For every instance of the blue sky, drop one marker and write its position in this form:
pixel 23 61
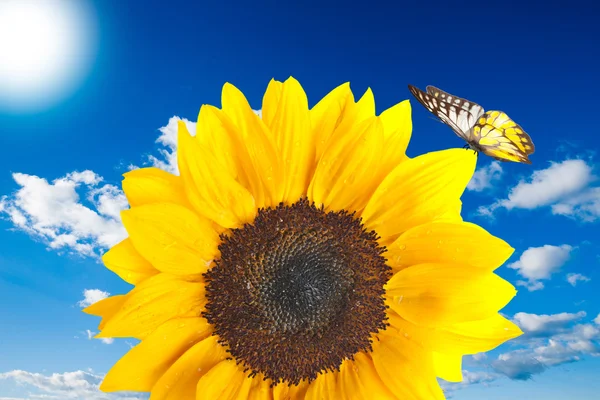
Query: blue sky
pixel 61 164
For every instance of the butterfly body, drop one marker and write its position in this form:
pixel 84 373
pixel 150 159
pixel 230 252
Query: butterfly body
pixel 492 133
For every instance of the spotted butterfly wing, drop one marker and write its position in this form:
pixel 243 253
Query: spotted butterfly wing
pixel 492 133
pixel 459 114
pixel 474 108
pixel 498 136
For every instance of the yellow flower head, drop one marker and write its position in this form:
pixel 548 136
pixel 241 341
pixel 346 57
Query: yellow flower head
pixel 301 254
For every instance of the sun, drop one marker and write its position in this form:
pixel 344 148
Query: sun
pixel 46 48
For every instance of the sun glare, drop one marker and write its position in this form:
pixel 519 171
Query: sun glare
pixel 46 49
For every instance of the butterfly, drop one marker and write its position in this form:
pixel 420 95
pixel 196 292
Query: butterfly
pixel 492 133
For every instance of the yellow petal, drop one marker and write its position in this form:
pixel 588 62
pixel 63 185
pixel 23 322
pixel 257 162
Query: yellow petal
pixel 151 303
pixel 441 294
pixel 105 308
pixel 358 379
pixel 324 387
pixel 144 364
pixel 405 368
pixel 352 114
pixel 448 366
pixel 397 129
pixel 461 338
pixel 173 238
pixel 291 130
pixel 180 380
pixel 420 190
pixel 327 114
pixel 294 392
pixel 482 335
pixel 448 242
pixel 397 121
pixel 247 173
pixel 261 389
pixel 212 134
pixel 124 260
pixel 222 382
pixel 260 158
pixel 344 176
pixel 366 106
pixel 153 185
pixel 270 103
pixel 245 387
pixel 212 190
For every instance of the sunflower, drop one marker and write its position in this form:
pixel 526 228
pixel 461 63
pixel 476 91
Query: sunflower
pixel 300 254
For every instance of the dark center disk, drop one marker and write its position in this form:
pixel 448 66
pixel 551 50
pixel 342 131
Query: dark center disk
pixel 297 291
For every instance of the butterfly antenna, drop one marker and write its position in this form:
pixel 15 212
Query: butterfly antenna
pixel 436 119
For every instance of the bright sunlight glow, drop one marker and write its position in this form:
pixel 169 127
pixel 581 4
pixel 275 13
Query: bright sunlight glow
pixel 46 49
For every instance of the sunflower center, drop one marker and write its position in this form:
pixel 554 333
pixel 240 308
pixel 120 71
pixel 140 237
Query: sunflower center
pixel 297 291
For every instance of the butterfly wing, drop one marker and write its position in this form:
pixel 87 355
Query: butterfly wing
pixel 459 115
pixel 465 120
pixel 500 137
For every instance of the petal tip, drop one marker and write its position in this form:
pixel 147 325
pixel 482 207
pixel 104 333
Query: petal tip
pixel 182 128
pixel 126 215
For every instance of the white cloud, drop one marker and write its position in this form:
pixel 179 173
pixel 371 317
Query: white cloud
pixel 549 185
pixel 77 213
pixel 77 385
pixel 91 296
pixel 550 340
pixel 580 332
pixel 90 336
pixel 518 365
pixel 472 377
pixel 537 263
pixel 584 206
pixel 168 139
pixel 55 213
pixel 565 187
pixel 545 325
pixel 597 320
pixel 574 278
pixel 532 286
pixel 485 177
pixel 469 378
